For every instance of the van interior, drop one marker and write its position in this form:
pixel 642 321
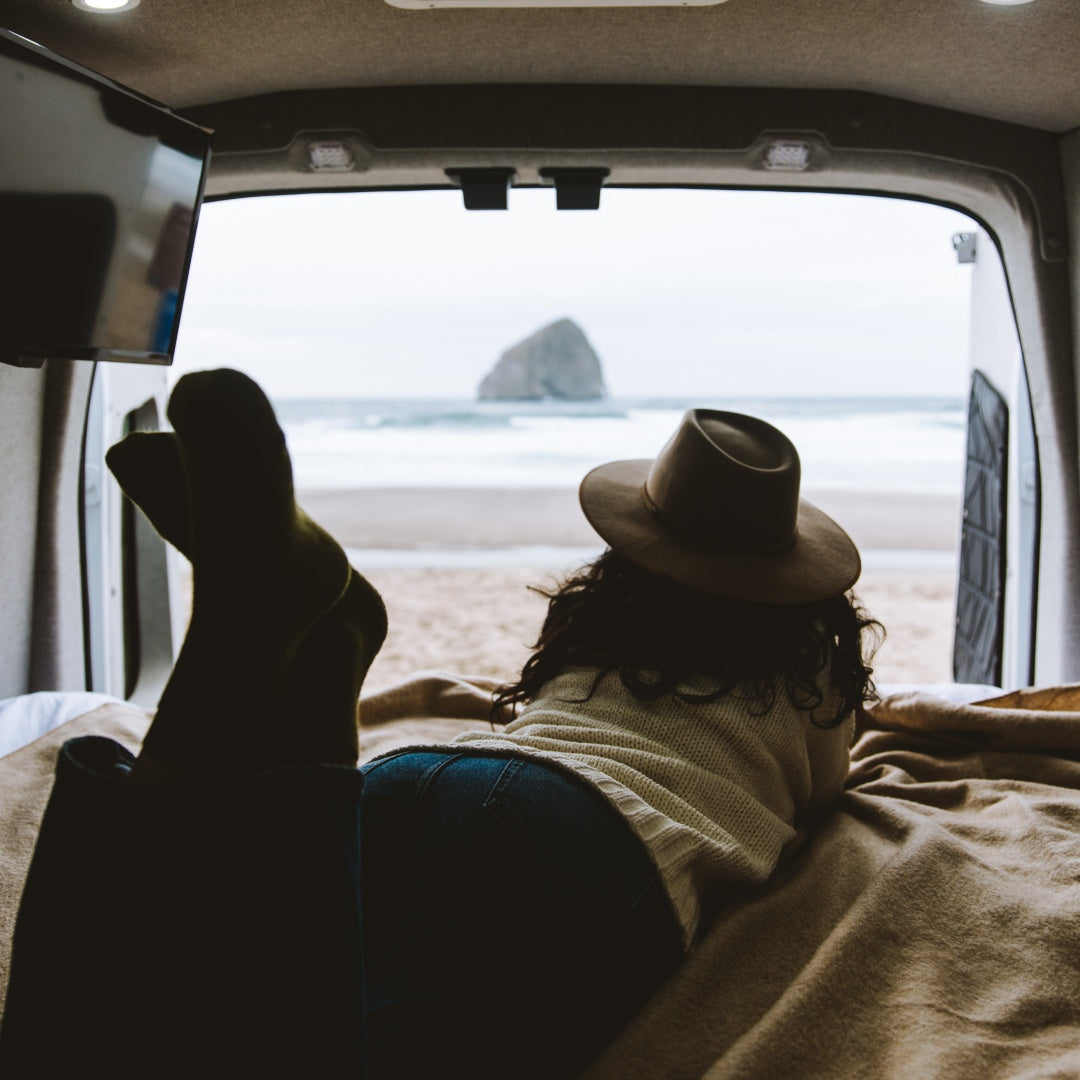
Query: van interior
pixel 124 122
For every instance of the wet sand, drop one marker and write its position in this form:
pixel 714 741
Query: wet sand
pixel 476 614
pixel 498 517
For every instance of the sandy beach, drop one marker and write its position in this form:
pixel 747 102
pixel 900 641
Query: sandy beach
pixel 455 566
pixel 500 517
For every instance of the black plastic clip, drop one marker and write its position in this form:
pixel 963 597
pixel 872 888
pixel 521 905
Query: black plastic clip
pixel 576 189
pixel 483 189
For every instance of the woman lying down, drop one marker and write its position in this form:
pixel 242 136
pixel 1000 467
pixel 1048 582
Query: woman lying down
pixel 241 900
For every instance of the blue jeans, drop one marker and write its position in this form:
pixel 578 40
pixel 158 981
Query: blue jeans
pixel 512 921
pixel 435 914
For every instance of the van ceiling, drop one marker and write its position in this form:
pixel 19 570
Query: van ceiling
pixel 1012 63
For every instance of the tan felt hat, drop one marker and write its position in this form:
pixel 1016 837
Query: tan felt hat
pixel 718 510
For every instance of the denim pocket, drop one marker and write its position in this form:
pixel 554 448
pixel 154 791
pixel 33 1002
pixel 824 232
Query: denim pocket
pixel 570 831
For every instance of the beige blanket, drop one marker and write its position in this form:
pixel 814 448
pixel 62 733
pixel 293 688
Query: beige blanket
pixel 930 927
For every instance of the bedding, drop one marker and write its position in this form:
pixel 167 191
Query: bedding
pixel 29 716
pixel 929 926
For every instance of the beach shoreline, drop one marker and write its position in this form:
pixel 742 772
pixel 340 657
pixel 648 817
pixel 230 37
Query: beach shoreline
pixel 456 566
pixel 414 517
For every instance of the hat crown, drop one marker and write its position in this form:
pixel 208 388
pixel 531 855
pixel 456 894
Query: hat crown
pixel 727 480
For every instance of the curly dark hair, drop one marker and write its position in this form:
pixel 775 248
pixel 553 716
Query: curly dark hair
pixel 657 634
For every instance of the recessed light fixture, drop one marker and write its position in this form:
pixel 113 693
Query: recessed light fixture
pixel 1006 3
pixel 330 157
pixel 787 155
pixel 105 7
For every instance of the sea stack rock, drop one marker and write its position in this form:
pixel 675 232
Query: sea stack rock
pixel 555 362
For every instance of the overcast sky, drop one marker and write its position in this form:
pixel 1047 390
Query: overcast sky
pixel 679 292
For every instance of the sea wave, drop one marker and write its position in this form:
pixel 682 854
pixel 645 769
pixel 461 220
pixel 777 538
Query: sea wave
pixel 844 444
pixel 366 414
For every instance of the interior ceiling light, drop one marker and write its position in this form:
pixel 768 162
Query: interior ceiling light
pixel 445 4
pixel 330 157
pixel 787 155
pixel 105 7
pixel 1004 3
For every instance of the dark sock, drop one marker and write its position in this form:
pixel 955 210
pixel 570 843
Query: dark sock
pixel 148 468
pixel 314 720
pixel 318 709
pixel 264 574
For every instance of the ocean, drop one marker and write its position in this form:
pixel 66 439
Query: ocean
pixel 845 444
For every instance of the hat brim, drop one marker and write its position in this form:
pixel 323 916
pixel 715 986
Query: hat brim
pixel 822 563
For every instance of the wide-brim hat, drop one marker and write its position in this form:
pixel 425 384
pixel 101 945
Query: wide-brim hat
pixel 718 510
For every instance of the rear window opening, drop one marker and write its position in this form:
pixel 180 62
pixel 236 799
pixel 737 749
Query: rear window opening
pixel 372 319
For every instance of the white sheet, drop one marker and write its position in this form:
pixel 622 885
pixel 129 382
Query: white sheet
pixel 29 716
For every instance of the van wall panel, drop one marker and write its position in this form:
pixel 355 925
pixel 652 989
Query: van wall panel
pixel 22 398
pixel 57 651
pixel 1055 397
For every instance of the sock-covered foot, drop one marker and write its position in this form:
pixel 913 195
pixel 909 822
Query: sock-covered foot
pixel 264 573
pixel 148 468
pixel 315 719
pixel 318 712
pixel 249 539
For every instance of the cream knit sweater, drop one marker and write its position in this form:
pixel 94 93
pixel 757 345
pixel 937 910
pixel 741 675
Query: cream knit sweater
pixel 713 790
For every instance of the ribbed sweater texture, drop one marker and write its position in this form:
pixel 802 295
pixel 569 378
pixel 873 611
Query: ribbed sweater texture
pixel 714 790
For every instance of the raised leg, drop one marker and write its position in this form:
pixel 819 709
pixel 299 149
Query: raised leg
pixel 314 720
pixel 259 648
